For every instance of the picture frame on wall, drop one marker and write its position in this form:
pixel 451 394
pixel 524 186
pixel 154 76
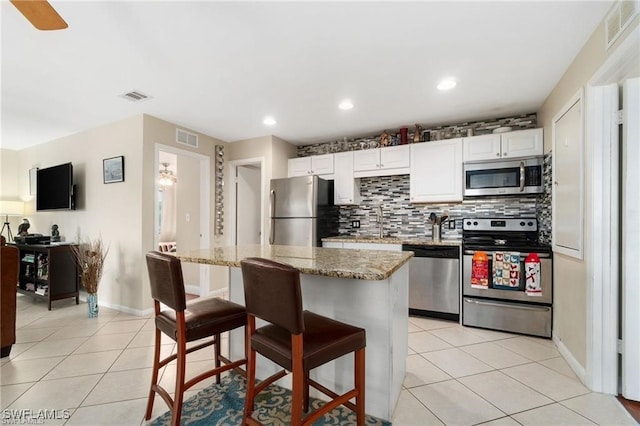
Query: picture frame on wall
pixel 113 169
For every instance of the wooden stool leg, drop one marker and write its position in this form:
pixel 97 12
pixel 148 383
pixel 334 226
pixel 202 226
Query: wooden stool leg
pixel 305 396
pixel 298 385
pixel 154 375
pixel 217 355
pixel 360 385
pixel 251 370
pixel 179 389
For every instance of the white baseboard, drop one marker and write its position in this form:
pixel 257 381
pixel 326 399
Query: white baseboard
pixel 572 361
pixel 192 289
pixel 219 292
pixel 120 308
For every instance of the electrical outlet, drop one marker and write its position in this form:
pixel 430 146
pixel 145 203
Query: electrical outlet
pixel 452 224
pixel 355 224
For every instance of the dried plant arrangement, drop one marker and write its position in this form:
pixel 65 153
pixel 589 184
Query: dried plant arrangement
pixel 90 255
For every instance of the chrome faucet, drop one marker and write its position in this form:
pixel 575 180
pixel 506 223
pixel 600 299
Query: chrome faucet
pixel 379 219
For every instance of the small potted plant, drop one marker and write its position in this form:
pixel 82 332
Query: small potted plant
pixel 90 256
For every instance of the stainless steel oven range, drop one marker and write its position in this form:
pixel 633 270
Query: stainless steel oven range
pixel 506 307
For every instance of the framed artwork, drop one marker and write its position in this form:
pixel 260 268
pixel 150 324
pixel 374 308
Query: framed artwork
pixel 113 169
pixel 33 181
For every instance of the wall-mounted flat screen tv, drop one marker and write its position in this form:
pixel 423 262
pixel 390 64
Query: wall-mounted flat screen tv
pixel 55 188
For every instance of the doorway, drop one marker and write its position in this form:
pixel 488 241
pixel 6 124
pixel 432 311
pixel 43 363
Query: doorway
pixel 612 309
pixel 182 213
pixel 246 197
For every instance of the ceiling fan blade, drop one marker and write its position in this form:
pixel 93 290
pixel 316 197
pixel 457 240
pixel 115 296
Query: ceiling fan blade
pixel 41 14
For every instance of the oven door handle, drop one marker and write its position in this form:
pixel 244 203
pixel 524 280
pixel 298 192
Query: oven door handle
pixel 522 176
pixel 490 254
pixel 509 305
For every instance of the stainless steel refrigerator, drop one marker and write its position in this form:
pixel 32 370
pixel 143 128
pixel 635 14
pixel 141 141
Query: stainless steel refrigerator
pixel 302 211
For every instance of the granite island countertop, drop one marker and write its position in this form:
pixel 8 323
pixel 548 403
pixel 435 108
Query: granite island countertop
pixel 330 262
pixel 391 240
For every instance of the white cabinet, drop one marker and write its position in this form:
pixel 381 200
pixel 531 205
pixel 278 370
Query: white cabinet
pixel 393 160
pixel 362 246
pixel 436 171
pixel 332 244
pixel 313 165
pixel 521 143
pixel 346 189
pixel 373 246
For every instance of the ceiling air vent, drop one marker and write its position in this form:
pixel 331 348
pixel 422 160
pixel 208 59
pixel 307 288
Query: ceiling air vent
pixel 619 18
pixel 186 138
pixel 135 96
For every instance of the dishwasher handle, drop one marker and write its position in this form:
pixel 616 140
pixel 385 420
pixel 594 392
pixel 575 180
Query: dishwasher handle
pixel 437 252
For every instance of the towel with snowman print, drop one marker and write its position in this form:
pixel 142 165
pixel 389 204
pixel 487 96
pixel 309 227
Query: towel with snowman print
pixel 506 270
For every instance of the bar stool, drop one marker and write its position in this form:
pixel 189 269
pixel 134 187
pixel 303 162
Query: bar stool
pixel 186 322
pixel 296 340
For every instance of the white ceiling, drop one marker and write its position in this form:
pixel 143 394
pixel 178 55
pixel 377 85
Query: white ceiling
pixel 220 67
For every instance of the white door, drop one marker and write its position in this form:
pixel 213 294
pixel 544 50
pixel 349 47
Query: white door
pixel 248 205
pixel 631 240
pixel 568 187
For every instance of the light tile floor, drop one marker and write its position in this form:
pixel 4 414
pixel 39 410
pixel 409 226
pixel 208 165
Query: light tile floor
pixel 99 370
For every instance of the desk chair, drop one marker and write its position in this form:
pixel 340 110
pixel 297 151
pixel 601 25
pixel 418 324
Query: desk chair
pixel 296 340
pixel 186 322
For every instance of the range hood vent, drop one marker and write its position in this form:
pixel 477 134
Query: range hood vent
pixel 619 19
pixel 186 138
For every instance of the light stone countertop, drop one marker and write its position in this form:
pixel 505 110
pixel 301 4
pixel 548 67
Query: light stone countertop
pixel 330 262
pixel 391 240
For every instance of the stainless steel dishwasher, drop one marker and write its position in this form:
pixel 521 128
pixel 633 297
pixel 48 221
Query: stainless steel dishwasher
pixel 434 281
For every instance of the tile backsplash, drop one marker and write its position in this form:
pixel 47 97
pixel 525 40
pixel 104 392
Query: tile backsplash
pixel 403 219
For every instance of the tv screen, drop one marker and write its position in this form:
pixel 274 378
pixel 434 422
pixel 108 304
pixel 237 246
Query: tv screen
pixel 55 188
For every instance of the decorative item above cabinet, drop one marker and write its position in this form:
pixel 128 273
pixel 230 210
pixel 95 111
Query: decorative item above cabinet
pixel 521 143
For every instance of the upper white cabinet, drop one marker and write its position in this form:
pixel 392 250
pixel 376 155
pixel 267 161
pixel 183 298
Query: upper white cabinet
pixel 393 160
pixel 313 165
pixel 436 171
pixel 521 143
pixel 345 186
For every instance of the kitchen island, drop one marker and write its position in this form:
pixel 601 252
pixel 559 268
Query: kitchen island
pixel 366 288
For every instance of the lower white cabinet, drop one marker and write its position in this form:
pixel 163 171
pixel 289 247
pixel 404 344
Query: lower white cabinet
pixel 373 246
pixel 362 246
pixel 346 189
pixel 436 171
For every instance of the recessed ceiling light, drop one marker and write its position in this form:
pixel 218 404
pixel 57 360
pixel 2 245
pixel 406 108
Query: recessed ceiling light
pixel 346 104
pixel 447 84
pixel 269 121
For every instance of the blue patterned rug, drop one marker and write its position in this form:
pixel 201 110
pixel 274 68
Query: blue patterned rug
pixel 223 404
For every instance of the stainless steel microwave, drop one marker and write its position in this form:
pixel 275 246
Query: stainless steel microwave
pixel 508 177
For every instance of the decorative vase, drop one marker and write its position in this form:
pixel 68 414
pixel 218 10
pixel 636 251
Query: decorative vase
pixel 92 303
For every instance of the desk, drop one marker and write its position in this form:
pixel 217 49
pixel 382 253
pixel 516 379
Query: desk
pixel 366 288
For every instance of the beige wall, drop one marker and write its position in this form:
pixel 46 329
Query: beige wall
pixel 571 275
pixel 108 210
pixel 275 152
pixel 157 131
pixel 122 213
pixel 9 184
pixel 188 203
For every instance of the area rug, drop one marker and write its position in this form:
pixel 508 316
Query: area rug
pixel 222 405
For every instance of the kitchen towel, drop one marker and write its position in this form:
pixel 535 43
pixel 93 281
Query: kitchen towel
pixel 506 270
